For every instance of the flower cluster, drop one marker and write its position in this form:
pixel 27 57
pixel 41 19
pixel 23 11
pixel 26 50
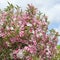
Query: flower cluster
pixel 24 35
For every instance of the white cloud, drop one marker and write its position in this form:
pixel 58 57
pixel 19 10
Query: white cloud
pixel 38 3
pixel 54 13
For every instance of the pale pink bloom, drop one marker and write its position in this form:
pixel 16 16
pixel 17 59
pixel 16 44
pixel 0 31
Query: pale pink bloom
pixel 7 28
pixel 29 24
pixel 2 34
pixel 22 27
pixel 26 48
pixel 7 43
pixel 28 58
pixel 20 22
pixel 26 17
pixel 34 42
pixel 1 23
pixel 4 14
pixel 21 33
pixel 14 17
pixel 15 51
pixel 13 40
pixel 31 49
pixel 44 23
pixel 22 41
pixel 20 54
pixel 32 31
pixel 39 35
pixel 11 28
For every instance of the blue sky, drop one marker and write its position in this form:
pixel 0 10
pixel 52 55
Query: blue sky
pixel 50 7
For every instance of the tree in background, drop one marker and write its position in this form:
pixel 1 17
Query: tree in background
pixel 24 35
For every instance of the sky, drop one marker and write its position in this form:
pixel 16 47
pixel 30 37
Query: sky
pixel 50 7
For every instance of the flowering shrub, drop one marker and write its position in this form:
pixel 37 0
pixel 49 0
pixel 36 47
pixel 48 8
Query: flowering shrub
pixel 24 35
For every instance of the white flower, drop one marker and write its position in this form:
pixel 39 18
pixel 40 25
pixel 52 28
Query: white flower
pixel 11 55
pixel 48 50
pixel 29 24
pixel 47 53
pixel 17 25
pixel 8 44
pixel 1 23
pixel 33 31
pixel 20 54
pixel 40 34
pixel 47 47
pixel 11 28
pixel 7 27
pixel 14 19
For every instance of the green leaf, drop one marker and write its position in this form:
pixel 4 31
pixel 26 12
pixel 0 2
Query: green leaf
pixel 35 58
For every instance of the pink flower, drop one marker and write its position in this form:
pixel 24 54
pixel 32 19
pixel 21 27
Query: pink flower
pixel 20 54
pixel 26 31
pixel 26 17
pixel 13 40
pixel 2 34
pixel 32 49
pixel 44 23
pixel 4 14
pixel 34 42
pixel 28 58
pixel 21 34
